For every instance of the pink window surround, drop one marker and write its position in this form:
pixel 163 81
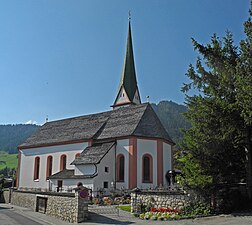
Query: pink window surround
pixel 132 162
pixel 160 172
pixel 120 168
pixel 49 166
pixel 36 168
pixel 147 168
pixel 63 159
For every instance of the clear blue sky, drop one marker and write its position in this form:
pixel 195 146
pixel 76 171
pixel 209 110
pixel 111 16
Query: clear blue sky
pixel 63 58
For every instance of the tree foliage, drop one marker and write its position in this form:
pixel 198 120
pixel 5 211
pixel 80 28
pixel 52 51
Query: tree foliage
pixel 221 111
pixel 192 171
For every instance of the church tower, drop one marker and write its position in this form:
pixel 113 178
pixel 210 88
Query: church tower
pixel 128 92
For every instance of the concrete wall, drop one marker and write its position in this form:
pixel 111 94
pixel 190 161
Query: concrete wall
pixel 27 161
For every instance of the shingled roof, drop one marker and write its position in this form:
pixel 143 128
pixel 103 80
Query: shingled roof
pixel 69 174
pixel 133 120
pixel 93 154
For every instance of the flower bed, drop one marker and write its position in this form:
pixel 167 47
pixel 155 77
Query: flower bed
pixel 161 214
pixel 198 210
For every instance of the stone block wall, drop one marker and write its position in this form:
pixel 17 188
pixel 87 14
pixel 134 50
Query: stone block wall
pixel 62 207
pixel 25 200
pixel 159 199
pixel 5 196
pixel 65 206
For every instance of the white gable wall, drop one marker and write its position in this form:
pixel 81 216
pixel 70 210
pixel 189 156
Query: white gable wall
pixel 107 161
pixel 27 160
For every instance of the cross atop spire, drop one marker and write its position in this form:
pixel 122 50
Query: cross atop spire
pixel 128 92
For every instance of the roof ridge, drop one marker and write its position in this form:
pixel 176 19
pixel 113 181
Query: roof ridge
pixel 97 134
pixel 141 117
pixel 164 133
pixel 82 116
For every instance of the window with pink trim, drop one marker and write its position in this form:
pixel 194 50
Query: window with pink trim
pixel 120 168
pixel 49 166
pixel 63 160
pixel 36 168
pixel 147 168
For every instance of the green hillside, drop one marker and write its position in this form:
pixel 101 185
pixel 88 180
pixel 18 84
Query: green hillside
pixel 8 160
pixel 171 116
pixel 13 135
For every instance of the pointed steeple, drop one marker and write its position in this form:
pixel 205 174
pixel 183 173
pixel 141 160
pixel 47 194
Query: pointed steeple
pixel 128 92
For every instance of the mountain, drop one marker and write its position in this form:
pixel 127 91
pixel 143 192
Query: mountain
pixel 13 135
pixel 171 116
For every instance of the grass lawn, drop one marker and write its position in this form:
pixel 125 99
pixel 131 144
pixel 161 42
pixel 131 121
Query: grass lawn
pixel 8 160
pixel 125 207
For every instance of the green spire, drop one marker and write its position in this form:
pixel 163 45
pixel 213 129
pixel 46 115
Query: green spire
pixel 128 78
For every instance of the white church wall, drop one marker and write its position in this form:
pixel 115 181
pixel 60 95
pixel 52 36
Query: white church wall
pixel 27 161
pixel 108 161
pixel 122 147
pixel 167 163
pixel 89 169
pixel 145 146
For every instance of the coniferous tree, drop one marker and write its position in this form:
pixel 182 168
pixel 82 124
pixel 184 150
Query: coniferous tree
pixel 220 113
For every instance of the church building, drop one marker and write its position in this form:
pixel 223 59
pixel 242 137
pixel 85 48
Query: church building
pixel 123 148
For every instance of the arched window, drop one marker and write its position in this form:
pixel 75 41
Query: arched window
pixel 77 155
pixel 120 168
pixel 147 163
pixel 63 160
pixel 49 166
pixel 36 168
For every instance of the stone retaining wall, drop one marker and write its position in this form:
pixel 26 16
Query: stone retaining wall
pixel 5 196
pixel 159 199
pixel 65 206
pixel 26 200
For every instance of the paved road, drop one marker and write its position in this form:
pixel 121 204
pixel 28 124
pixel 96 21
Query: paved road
pixel 127 219
pixel 8 216
pixel 14 215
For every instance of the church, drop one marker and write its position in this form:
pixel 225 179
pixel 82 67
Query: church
pixel 124 148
